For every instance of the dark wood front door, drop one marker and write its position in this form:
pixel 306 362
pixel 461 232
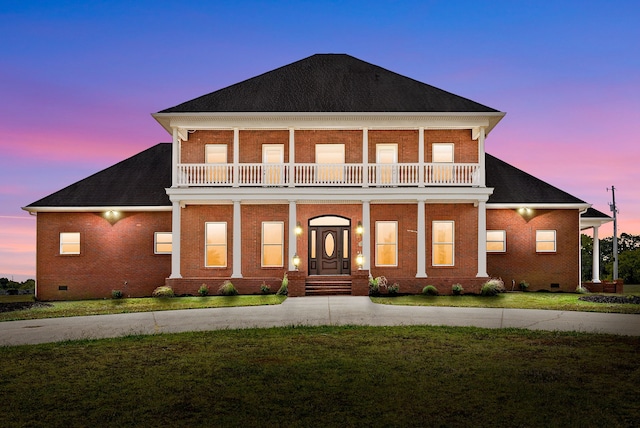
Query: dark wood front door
pixel 329 250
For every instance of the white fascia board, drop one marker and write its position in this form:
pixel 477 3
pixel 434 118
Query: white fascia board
pixel 539 206
pixel 96 209
pixel 587 223
pixel 340 195
pixel 307 120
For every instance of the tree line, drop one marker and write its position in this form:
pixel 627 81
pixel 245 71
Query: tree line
pixel 6 284
pixel 628 258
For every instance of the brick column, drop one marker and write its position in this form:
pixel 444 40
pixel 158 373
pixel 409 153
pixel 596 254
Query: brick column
pixel 296 283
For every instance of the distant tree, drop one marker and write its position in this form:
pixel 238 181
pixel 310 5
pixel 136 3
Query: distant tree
pixel 629 266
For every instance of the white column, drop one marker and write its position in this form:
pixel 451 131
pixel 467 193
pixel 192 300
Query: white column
pixel 482 239
pixel 421 157
pixel 292 158
pixel 365 158
pixel 236 156
pixel 481 160
pixel 293 244
pixel 236 272
pixel 366 235
pixel 175 240
pixel 174 158
pixel 421 242
pixel 596 255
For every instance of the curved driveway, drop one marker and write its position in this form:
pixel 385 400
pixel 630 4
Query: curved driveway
pixel 321 310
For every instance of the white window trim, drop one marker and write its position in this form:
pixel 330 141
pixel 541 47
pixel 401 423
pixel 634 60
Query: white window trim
pixel 377 263
pixel 226 244
pixel 263 244
pixel 156 242
pixel 63 242
pixel 555 241
pixel 503 240
pixel 222 148
pixel 452 243
pixel 453 152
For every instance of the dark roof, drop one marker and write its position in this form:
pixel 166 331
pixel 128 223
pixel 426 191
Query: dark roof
pixel 513 186
pixel 330 83
pixel 138 181
pixel 594 213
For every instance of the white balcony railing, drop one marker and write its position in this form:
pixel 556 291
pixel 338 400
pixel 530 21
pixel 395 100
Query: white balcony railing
pixel 312 174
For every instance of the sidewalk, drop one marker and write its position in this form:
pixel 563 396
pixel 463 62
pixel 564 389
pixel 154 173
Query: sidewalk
pixel 321 310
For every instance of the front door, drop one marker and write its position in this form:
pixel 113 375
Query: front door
pixel 329 250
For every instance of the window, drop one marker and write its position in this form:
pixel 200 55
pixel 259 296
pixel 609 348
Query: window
pixel 386 157
pixel 272 243
pixel 496 241
pixel 442 243
pixel 332 154
pixel 386 243
pixel 273 158
pixel 216 154
pixel 216 244
pixel 545 241
pixel 442 153
pixel 162 242
pixel 70 243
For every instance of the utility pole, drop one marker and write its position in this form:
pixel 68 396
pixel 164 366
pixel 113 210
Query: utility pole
pixel 614 209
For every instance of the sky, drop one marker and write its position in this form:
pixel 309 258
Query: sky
pixel 79 81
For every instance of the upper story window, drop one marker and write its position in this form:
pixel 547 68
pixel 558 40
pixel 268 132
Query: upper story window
pixel 215 153
pixel 545 241
pixel 273 160
pixel 332 154
pixel 442 152
pixel 443 243
pixel 496 241
pixel 163 242
pixel 215 244
pixel 386 157
pixel 70 243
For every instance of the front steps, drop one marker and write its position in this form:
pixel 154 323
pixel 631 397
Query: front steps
pixel 328 285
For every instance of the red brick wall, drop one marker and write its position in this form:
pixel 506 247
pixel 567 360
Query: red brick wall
pixel 110 255
pixel 251 144
pixel 465 149
pixel 406 216
pixel 192 151
pixel 522 262
pixel 306 141
pixel 407 144
pixel 252 218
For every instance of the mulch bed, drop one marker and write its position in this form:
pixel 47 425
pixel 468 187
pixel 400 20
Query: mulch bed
pixel 18 306
pixel 597 298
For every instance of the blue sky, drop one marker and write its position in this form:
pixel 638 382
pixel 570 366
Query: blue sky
pixel 79 80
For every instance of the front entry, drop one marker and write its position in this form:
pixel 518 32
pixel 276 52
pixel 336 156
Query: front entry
pixel 329 246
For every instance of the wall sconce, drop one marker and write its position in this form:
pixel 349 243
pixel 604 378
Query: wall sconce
pixel 360 260
pixel 359 228
pixel 298 228
pixel 296 260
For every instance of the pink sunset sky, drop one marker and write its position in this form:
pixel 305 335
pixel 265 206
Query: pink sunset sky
pixel 79 80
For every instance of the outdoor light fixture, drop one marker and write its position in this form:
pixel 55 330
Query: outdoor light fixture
pixel 296 260
pixel 360 260
pixel 298 228
pixel 359 228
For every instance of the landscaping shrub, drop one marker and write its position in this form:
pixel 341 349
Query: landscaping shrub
pixel 493 287
pixel 116 294
pixel 393 289
pixel 374 288
pixel 163 291
pixel 284 288
pixel 457 289
pixel 227 289
pixel 523 285
pixel 203 290
pixel 264 288
pixel 430 290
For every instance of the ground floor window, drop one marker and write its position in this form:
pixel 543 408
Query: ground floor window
pixel 496 241
pixel 216 244
pixel 443 243
pixel 545 241
pixel 272 244
pixel 70 243
pixel 386 243
pixel 163 242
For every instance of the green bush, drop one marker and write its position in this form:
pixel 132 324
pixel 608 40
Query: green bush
pixel 374 288
pixel 265 288
pixel 393 289
pixel 524 285
pixel 116 294
pixel 284 287
pixel 163 291
pixel 457 289
pixel 227 289
pixel 493 287
pixel 203 290
pixel 430 290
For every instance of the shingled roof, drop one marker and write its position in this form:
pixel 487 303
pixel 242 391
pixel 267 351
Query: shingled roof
pixel 512 185
pixel 330 83
pixel 140 180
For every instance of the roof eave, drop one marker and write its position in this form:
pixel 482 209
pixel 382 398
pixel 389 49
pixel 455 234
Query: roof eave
pixel 92 209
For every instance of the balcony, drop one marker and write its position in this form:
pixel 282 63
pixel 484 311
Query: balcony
pixel 328 175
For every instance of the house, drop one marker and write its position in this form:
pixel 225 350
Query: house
pixel 329 170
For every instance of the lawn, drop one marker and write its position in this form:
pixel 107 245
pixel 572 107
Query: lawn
pixel 117 306
pixel 326 376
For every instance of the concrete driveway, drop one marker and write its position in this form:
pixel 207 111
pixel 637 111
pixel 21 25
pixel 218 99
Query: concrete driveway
pixel 312 311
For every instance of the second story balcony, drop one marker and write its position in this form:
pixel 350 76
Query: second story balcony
pixel 327 175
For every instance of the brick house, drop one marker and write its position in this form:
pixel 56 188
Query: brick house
pixel 329 169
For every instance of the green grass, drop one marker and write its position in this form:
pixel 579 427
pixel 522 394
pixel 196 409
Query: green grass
pixel 533 300
pixel 117 306
pixel 326 376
